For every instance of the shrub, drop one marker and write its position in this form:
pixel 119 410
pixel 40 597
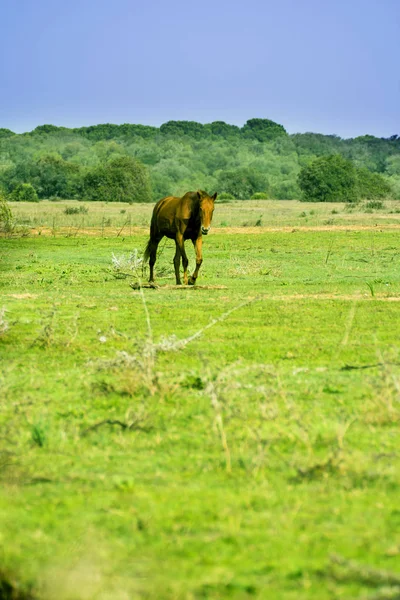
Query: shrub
pixel 24 192
pixel 75 210
pixel 329 179
pixel 372 185
pixel 375 204
pixel 260 196
pixel 6 219
pixel 225 196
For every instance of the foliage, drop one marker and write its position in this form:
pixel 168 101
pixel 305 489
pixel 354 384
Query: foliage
pixel 372 185
pixel 242 182
pixel 263 130
pixel 6 218
pixel 123 179
pixel 76 210
pixel 24 192
pixel 329 179
pixel 184 155
pixel 259 196
pixel 6 133
pixel 225 196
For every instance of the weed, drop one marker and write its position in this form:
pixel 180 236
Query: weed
pixel 75 210
pixel 374 204
pixel 39 434
pixel 3 322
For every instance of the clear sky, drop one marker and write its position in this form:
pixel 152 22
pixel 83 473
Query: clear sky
pixel 328 66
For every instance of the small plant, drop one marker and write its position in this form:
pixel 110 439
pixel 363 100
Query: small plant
pixel 259 222
pixel 39 434
pixel 374 204
pixel 122 211
pixel 74 210
pixel 303 214
pixel 6 219
pixel 334 212
pixel 371 288
pixel 3 322
pixel 260 196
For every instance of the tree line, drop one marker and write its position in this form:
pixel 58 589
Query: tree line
pixel 139 163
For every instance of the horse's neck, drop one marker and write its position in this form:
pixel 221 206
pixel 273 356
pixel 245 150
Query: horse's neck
pixel 195 208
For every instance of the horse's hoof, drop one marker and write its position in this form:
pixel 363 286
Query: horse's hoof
pixel 192 281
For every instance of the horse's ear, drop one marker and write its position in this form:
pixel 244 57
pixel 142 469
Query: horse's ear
pixel 215 196
pixel 199 194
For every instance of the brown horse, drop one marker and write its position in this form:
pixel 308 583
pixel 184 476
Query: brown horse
pixel 180 219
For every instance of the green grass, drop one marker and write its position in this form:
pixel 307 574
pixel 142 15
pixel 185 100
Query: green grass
pixel 113 216
pixel 249 456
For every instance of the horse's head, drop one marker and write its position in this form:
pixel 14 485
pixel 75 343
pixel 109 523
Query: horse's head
pixel 206 210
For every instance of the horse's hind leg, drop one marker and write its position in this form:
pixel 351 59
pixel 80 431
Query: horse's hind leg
pixel 153 258
pixel 177 262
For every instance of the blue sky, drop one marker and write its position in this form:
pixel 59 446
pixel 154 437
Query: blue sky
pixel 328 66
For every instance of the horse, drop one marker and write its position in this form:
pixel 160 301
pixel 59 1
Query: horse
pixel 180 219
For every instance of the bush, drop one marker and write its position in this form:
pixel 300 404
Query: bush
pixel 329 179
pixel 372 185
pixel 260 196
pixel 123 179
pixel 6 218
pixel 24 192
pixel 225 196
pixel 374 204
pixel 75 210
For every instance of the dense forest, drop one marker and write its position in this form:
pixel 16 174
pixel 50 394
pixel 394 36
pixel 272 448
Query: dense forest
pixel 138 163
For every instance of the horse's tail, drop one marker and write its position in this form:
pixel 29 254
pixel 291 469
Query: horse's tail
pixel 150 243
pixel 146 254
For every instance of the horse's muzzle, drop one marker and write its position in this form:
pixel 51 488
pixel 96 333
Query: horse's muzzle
pixel 205 230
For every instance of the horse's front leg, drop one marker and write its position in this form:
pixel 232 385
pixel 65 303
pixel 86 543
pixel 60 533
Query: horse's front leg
pixel 198 246
pixel 180 243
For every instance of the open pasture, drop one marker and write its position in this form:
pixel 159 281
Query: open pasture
pixel 201 443
pixel 122 219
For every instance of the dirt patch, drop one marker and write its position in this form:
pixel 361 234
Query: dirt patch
pixel 166 286
pixel 89 231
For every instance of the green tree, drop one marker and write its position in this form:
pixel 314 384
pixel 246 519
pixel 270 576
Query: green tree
pixel 222 129
pixel 24 192
pixel 242 182
pixel 123 179
pixel 6 219
pixel 263 130
pixel 56 177
pixel 329 179
pixel 372 185
pixel 6 133
pixel 180 128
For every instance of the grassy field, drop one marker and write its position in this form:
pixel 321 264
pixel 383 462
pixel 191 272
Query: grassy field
pixel 237 441
pixel 121 218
